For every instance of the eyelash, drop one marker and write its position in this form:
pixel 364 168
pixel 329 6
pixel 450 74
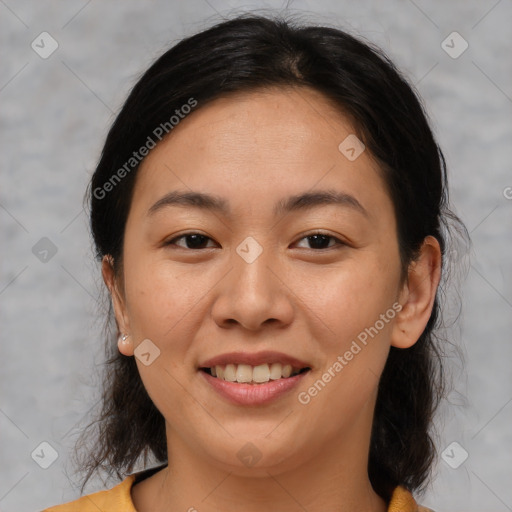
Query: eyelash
pixel 339 242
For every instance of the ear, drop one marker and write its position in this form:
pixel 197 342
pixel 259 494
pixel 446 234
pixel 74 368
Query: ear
pixel 417 295
pixel 122 320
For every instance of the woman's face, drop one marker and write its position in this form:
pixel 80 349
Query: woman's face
pixel 251 288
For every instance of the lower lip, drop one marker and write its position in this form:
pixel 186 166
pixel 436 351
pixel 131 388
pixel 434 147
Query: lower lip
pixel 253 394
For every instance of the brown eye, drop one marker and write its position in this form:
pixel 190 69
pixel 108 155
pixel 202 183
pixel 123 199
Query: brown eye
pixel 192 241
pixel 321 241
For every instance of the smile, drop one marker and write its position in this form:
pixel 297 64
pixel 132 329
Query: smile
pixel 253 378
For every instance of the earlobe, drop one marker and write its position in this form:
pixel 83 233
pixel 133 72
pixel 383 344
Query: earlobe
pixel 123 324
pixel 417 295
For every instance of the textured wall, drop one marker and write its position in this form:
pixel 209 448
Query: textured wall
pixel 55 115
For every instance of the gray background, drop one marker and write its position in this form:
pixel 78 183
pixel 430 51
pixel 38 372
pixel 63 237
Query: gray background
pixel 55 115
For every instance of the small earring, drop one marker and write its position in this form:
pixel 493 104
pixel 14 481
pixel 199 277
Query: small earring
pixel 121 340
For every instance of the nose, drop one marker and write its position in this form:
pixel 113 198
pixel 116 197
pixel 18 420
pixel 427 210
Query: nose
pixel 254 294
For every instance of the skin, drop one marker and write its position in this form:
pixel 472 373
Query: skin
pixel 254 149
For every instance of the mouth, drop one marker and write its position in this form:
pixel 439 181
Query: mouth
pixel 253 379
pixel 257 375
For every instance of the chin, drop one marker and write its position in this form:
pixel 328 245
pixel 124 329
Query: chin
pixel 259 457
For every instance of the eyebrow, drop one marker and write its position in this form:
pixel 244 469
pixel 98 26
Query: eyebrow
pixel 292 203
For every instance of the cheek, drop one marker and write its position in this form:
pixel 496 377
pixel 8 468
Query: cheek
pixel 356 303
pixel 159 296
pixel 349 298
pixel 161 304
pixel 354 351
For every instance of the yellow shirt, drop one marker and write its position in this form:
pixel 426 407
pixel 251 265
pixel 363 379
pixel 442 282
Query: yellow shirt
pixel 118 499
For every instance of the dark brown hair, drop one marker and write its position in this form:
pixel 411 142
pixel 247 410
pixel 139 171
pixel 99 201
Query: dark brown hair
pixel 247 53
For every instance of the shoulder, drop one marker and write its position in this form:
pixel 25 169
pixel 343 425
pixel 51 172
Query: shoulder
pixel 403 501
pixel 116 499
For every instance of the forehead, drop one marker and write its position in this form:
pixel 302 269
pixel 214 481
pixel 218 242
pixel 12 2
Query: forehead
pixel 283 119
pixel 257 145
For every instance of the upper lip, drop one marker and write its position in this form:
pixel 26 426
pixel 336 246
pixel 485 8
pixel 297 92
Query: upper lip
pixel 253 359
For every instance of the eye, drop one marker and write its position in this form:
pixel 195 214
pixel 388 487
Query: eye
pixel 197 241
pixel 193 240
pixel 318 240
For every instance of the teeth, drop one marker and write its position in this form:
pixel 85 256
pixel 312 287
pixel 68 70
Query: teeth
pixel 230 373
pixel 261 373
pixel 245 373
pixel 275 371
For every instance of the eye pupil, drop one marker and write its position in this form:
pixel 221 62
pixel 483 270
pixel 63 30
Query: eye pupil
pixel 317 241
pixel 198 241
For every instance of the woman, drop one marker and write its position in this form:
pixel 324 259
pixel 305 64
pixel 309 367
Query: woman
pixel 270 210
